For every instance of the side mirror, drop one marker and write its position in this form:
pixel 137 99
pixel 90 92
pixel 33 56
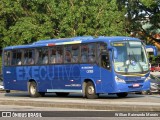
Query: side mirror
pixel 150 48
pixel 114 50
pixel 115 53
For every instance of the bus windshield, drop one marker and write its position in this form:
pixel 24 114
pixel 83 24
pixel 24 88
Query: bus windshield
pixel 131 57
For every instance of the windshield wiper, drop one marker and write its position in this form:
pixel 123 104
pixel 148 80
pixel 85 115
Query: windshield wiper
pixel 137 62
pixel 129 57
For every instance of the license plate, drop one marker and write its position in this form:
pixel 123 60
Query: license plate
pixel 136 85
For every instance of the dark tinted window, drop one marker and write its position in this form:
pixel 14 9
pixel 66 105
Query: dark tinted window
pixel 84 53
pixel 68 54
pixel 52 55
pixel 88 53
pixel 29 57
pixel 92 53
pixel 16 57
pixel 75 53
pixel 7 58
pixel 42 56
pixel 59 54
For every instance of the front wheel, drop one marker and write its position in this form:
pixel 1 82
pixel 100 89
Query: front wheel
pixel 90 91
pixel 122 95
pixel 146 92
pixel 33 92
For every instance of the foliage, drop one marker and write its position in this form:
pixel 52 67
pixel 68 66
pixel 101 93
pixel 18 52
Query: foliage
pixel 154 60
pixel 26 21
pixel 140 13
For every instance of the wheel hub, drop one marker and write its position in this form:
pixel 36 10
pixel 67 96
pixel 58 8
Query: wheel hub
pixel 33 89
pixel 90 90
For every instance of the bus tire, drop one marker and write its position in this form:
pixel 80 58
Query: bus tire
pixel 122 95
pixel 62 94
pixel 90 91
pixel 8 91
pixel 33 90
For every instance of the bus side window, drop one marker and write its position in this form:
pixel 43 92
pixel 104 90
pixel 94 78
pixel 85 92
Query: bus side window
pixel 52 56
pixel 39 54
pixel 45 56
pixel 14 55
pixel 75 53
pixel 84 53
pixel 31 57
pixel 25 57
pixel 36 56
pixel 92 54
pixel 7 58
pixel 28 57
pixel 19 57
pixel 68 54
pixel 59 54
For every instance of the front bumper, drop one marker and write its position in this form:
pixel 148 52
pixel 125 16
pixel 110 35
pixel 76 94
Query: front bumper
pixel 134 87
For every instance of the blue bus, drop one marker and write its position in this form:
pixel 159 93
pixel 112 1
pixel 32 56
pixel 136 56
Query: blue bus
pixel 87 65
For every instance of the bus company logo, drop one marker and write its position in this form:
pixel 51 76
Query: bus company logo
pixel 6 114
pixel 48 72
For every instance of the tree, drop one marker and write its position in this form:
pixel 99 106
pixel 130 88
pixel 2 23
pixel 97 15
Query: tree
pixel 140 13
pixel 91 18
pixel 22 22
pixel 26 21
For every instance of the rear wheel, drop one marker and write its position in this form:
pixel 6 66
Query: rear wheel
pixel 122 95
pixel 62 94
pixel 33 92
pixel 90 91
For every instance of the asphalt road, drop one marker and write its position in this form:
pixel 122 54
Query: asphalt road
pixel 78 107
pixel 132 102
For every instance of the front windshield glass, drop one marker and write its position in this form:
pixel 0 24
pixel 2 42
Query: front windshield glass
pixel 131 57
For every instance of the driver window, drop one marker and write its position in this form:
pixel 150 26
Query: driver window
pixel 103 55
pixel 105 63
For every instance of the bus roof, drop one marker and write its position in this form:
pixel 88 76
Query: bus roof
pixel 74 40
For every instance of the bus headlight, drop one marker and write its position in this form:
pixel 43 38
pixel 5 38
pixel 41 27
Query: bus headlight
pixel 117 79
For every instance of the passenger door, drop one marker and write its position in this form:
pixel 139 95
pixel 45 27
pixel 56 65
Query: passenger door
pixel 105 68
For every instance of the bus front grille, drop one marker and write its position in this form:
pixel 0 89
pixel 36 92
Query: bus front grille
pixel 134 81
